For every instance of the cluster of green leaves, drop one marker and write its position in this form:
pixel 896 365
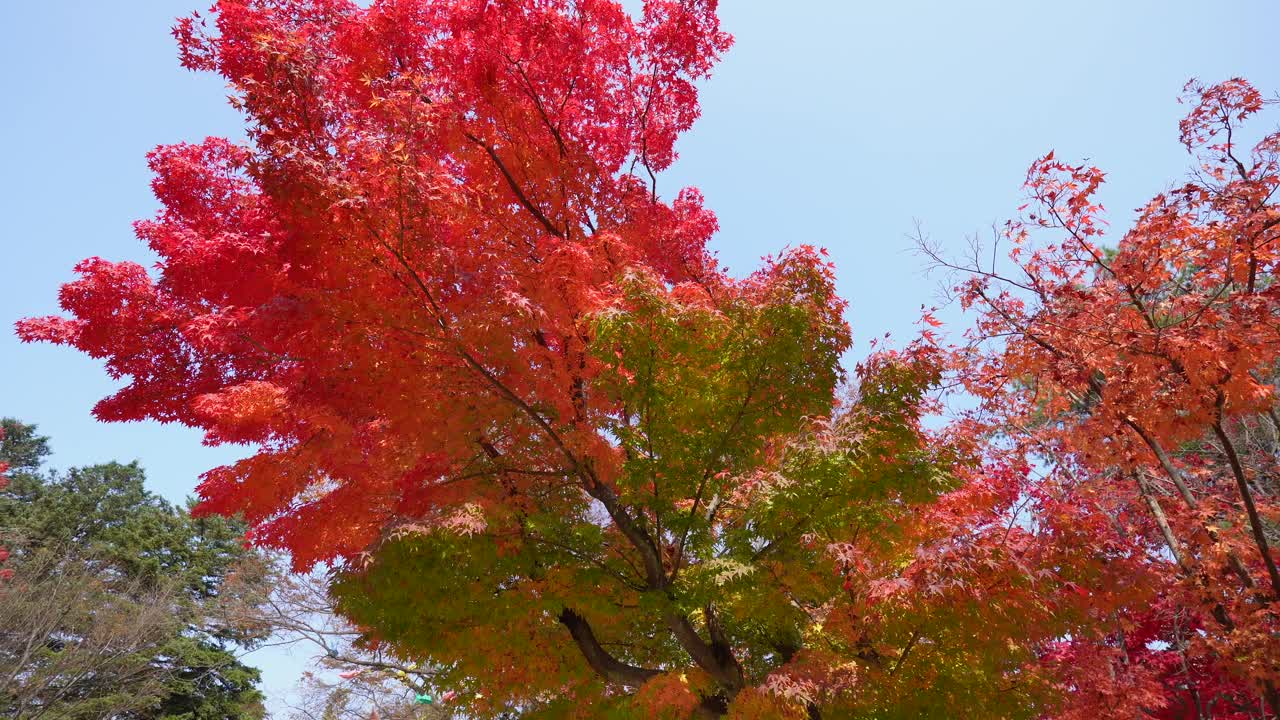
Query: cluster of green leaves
pixel 108 613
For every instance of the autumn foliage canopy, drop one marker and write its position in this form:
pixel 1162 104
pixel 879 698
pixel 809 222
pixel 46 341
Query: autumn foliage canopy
pixel 496 380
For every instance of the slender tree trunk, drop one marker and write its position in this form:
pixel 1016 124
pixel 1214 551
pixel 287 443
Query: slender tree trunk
pixel 1176 478
pixel 1255 521
pixel 1161 521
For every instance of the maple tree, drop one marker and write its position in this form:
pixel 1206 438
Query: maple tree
pixel 554 452
pixel 1143 377
pixel 494 378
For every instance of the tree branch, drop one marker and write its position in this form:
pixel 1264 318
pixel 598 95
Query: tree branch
pixel 515 187
pixel 608 667
pixel 728 674
pixel 1255 521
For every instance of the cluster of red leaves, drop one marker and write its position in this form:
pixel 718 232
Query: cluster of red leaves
pixel 395 291
pixel 1146 665
pixel 1143 377
pixel 437 198
pixel 674 695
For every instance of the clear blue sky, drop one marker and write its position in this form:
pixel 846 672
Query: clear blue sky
pixel 834 123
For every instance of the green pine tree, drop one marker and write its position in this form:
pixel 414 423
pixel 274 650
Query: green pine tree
pixel 109 612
